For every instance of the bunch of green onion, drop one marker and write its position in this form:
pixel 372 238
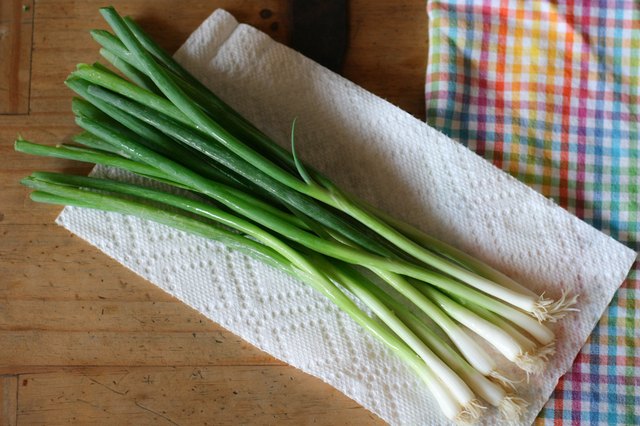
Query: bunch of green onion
pixel 236 186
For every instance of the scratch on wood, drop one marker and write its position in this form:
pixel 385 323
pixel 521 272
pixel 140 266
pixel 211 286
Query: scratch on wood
pixel 88 403
pixel 197 374
pixel 156 413
pixel 107 387
pixel 122 377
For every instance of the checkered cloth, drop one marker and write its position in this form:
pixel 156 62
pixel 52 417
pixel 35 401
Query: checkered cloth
pixel 549 92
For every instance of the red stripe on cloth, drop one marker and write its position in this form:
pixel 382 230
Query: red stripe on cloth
pixel 559 402
pixel 482 79
pixel 500 71
pixel 583 112
pixel 566 107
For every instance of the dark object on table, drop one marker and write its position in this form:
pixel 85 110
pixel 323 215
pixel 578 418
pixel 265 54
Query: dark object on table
pixel 320 31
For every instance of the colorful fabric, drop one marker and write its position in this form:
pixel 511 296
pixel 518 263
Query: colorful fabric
pixel 550 92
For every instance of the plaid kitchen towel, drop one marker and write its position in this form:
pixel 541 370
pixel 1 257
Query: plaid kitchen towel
pixel 549 92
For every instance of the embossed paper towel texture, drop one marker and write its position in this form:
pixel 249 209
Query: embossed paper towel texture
pixel 394 161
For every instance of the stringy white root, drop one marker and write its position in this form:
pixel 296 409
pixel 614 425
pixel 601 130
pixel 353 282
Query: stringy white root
pixel 531 363
pixel 470 413
pixel 546 351
pixel 506 382
pixel 512 408
pixel 552 311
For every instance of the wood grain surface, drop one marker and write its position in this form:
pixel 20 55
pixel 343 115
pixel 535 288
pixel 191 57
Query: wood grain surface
pixel 82 339
pixel 16 30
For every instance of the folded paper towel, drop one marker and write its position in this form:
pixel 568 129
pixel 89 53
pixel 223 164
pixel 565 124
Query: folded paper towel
pixel 392 160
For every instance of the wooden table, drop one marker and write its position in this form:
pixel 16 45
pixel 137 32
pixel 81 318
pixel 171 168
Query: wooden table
pixel 84 340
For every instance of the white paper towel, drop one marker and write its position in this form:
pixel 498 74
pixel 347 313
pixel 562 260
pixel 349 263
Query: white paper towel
pixel 396 162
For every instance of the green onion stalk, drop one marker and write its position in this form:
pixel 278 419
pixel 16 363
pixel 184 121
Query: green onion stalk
pixel 227 181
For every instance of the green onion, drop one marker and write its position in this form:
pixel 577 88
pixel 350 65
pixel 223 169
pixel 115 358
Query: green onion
pixel 80 191
pixel 226 180
pixel 509 405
